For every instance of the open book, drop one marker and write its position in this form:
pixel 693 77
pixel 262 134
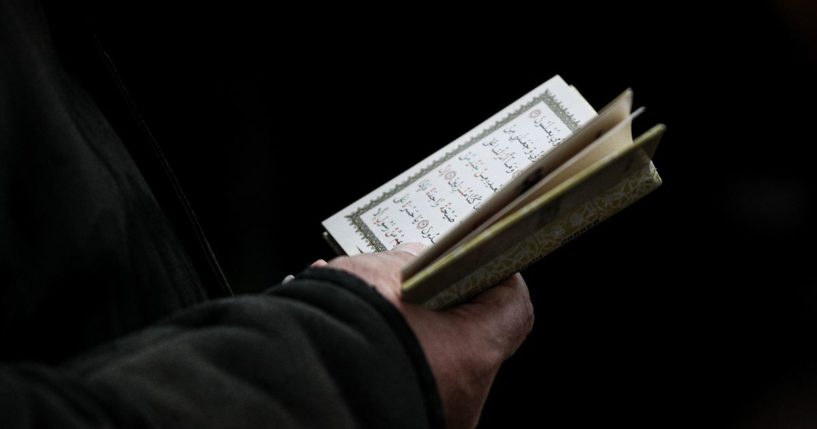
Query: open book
pixel 511 190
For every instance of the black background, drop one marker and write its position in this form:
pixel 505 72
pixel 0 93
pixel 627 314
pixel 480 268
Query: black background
pixel 695 307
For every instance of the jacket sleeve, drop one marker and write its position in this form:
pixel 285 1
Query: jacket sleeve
pixel 324 350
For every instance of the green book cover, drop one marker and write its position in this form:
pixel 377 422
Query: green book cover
pixel 539 228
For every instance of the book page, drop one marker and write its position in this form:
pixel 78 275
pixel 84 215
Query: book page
pixel 571 151
pixel 615 140
pixel 431 198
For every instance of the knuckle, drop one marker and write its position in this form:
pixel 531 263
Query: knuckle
pixel 529 315
pixel 412 248
pixel 524 303
pixel 340 260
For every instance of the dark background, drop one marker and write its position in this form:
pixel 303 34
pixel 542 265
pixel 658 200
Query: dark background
pixel 695 307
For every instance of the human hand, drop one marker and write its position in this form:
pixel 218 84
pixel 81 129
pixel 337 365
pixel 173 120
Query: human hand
pixel 464 345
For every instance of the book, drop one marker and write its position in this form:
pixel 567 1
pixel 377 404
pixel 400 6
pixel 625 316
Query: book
pixel 521 184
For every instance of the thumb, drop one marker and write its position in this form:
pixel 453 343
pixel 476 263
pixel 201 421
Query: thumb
pixel 407 251
pixel 414 249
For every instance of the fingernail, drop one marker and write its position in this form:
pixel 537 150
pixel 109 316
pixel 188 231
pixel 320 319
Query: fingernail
pixel 288 278
pixel 410 248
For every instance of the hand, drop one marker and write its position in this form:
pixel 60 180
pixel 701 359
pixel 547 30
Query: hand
pixel 464 345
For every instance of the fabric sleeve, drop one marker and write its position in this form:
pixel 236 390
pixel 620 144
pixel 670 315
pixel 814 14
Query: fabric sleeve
pixel 324 350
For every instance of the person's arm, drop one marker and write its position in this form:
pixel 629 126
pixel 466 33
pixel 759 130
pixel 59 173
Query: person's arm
pixel 324 350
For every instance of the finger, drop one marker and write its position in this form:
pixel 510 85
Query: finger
pixel 412 249
pixel 506 312
pixel 513 288
pixel 319 263
pixel 407 251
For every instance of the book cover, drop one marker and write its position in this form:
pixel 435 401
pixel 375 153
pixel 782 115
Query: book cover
pixel 541 227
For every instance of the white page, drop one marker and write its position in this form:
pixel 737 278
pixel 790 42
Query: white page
pixel 430 198
pixel 568 152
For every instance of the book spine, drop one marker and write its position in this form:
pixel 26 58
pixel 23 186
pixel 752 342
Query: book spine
pixel 333 244
pixel 563 228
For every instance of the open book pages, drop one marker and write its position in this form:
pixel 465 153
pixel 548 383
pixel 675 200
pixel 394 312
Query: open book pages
pixel 429 199
pixel 510 177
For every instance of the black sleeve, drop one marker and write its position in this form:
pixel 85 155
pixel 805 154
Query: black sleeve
pixel 324 350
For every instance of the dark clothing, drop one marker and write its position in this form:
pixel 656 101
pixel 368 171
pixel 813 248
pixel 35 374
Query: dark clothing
pixel 82 238
pixel 325 350
pixel 97 244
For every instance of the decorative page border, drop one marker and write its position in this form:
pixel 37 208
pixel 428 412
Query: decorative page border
pixel 550 101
